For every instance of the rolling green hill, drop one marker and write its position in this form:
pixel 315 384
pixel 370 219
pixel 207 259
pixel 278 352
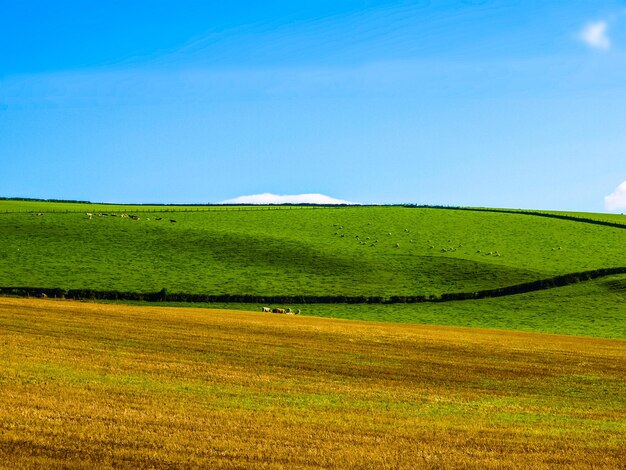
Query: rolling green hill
pixel 373 251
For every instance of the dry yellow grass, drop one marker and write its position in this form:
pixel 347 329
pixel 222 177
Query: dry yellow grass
pixel 87 384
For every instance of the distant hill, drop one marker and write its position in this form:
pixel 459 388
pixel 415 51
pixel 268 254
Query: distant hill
pixel 291 250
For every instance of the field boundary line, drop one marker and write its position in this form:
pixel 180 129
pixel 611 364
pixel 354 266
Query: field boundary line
pixel 571 218
pixel 164 296
pixel 169 210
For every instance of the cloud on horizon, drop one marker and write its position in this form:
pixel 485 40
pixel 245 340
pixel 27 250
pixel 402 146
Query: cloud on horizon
pixel 595 35
pixel 269 198
pixel 617 199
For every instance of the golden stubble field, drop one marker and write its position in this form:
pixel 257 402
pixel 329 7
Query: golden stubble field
pixel 86 385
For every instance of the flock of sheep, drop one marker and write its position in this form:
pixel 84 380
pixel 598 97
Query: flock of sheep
pixel 431 246
pixel 286 311
pixel 90 215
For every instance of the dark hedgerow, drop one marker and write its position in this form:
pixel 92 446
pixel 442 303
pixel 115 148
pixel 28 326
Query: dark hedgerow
pixel 164 296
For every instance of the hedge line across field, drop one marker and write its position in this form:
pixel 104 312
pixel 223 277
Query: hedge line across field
pixel 571 218
pixel 165 296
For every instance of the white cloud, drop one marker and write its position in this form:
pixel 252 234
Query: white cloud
pixel 617 199
pixel 595 35
pixel 269 198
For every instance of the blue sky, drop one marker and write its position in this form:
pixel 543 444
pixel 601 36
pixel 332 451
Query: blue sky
pixel 485 103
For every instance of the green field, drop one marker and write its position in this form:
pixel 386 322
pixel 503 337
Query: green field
pixel 336 251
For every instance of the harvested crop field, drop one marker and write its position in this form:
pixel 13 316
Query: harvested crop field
pixel 85 384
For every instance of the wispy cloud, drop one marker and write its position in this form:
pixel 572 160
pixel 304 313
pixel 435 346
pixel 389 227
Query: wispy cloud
pixel 617 199
pixel 595 35
pixel 269 198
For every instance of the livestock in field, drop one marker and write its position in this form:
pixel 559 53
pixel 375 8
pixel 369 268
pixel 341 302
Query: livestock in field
pixel 278 310
pixel 298 312
pixel 287 310
pixel 266 309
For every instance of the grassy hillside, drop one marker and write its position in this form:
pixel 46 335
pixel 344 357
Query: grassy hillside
pixel 86 385
pixel 300 251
